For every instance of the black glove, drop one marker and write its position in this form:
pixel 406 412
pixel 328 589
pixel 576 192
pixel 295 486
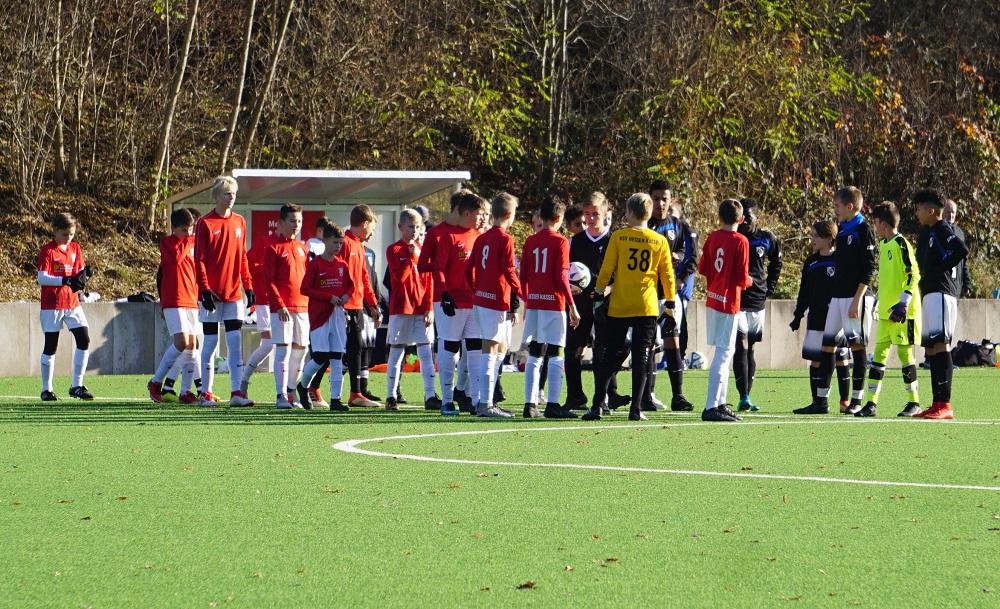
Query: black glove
pixel 208 298
pixel 447 304
pixel 794 324
pixel 251 298
pixel 515 302
pixel 79 281
pixel 600 309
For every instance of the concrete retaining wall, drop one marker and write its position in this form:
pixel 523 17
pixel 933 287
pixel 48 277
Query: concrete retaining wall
pixel 129 338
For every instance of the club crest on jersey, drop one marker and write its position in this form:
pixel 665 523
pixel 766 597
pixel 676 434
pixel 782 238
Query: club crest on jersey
pixel 830 271
pixel 850 239
pixel 301 253
pixel 671 234
pixel 72 258
pixel 760 251
pixel 239 232
pixel 930 242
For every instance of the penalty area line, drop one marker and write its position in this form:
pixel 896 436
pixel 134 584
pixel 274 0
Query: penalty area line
pixel 353 446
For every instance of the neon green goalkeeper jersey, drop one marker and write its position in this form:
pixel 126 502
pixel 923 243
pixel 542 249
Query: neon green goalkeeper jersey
pixel 897 273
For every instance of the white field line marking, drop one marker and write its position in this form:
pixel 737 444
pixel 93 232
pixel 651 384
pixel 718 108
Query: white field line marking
pixel 352 446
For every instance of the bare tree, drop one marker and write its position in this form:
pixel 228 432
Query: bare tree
pixel 238 92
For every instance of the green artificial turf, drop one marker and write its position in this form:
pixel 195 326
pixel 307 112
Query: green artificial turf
pixel 121 503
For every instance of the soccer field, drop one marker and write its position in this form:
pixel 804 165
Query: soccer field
pixel 123 503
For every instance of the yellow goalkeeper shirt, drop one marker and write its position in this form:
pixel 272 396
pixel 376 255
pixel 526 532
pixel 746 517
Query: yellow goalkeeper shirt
pixel 637 258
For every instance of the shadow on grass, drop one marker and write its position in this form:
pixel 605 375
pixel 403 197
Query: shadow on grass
pixel 148 414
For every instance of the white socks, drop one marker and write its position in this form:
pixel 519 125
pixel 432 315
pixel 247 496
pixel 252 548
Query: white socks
pixel 234 355
pixel 718 377
pixel 555 378
pixel 48 371
pixel 281 369
pixel 166 363
pixel 426 369
pixel 258 355
pixel 488 376
pixel 208 362
pixel 393 369
pixel 80 358
pixel 336 378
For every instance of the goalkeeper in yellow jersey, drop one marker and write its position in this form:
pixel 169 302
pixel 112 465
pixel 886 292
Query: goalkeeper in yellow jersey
pixel 898 309
pixel 637 257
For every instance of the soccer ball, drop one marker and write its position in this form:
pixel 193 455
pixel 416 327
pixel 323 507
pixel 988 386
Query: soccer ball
pixel 696 361
pixel 579 277
pixel 221 365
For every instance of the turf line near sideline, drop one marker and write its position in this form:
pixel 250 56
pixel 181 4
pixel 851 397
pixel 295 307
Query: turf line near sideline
pixel 353 446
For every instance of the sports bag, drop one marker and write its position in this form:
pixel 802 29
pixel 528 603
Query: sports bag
pixel 967 353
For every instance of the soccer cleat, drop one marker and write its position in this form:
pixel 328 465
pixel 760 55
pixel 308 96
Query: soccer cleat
pixel 464 401
pixel 240 399
pixel 912 409
pixel 188 398
pixel 616 401
pixel 854 407
pixel 498 394
pixel 358 400
pixel 648 406
pixel 207 400
pixel 813 408
pixel 870 410
pixel 432 403
pixel 80 392
pixel 371 396
pixel 657 404
pixel 296 404
pixel 594 414
pixel 745 405
pixel 338 406
pixel 554 411
pixel 727 409
pixel 391 405
pixel 635 414
pixel 680 403
pixel 245 386
pixel 170 396
pixel 317 399
pixel 531 411
pixel 844 404
pixel 155 389
pixel 493 412
pixel 717 415
pixel 576 403
pixel 399 398
pixel 282 402
pixel 933 408
pixel 304 398
pixel 943 411
pixel 449 410
pixel 48 396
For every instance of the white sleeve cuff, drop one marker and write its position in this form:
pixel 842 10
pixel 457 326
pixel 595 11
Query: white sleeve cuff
pixel 50 280
pixel 905 298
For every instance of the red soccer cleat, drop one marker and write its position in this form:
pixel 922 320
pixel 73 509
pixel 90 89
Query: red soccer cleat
pixel 189 398
pixel 943 411
pixel 155 391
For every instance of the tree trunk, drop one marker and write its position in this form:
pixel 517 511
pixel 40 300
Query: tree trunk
pixel 168 114
pixel 58 82
pixel 238 94
pixel 259 106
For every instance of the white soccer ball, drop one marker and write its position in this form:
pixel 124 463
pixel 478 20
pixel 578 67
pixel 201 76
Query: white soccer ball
pixel 696 361
pixel 579 277
pixel 221 365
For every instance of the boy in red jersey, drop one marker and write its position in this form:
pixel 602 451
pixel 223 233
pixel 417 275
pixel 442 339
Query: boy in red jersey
pixel 724 263
pixel 456 322
pixel 328 285
pixel 496 292
pixel 179 301
pixel 223 278
pixel 62 273
pixel 363 221
pixel 545 281
pixel 425 264
pixel 284 267
pixel 255 260
pixel 411 317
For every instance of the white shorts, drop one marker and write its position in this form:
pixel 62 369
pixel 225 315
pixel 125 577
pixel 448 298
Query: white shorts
pixel 52 319
pixel 456 328
pixel 812 346
pixel 409 330
pixel 294 331
pixel 223 311
pixel 181 321
pixel 721 329
pixel 263 318
pixel 751 325
pixel 492 325
pixel 331 337
pixel 856 331
pixel 368 332
pixel 544 327
pixel 939 313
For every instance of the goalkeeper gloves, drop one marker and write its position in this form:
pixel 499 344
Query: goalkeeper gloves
pixel 79 280
pixel 208 298
pixel 515 302
pixel 600 308
pixel 667 317
pixel 447 304
pixel 897 312
pixel 251 298
pixel 794 324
